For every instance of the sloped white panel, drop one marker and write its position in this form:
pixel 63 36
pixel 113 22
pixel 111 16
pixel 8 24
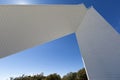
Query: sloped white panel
pixel 23 27
pixel 100 47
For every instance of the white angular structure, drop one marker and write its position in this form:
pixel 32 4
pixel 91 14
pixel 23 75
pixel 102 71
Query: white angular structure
pixel 23 27
pixel 100 47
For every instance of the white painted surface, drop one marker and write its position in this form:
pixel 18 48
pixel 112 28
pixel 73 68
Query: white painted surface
pixel 100 47
pixel 23 27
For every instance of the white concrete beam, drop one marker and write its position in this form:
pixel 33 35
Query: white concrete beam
pixel 100 47
pixel 22 27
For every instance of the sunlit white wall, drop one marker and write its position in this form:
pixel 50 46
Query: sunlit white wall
pixel 100 47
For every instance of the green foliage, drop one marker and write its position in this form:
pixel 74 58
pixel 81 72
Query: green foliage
pixel 34 77
pixel 80 75
pixel 53 77
pixel 70 76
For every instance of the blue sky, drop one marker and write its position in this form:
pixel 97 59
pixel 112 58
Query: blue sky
pixel 61 55
pixel 58 56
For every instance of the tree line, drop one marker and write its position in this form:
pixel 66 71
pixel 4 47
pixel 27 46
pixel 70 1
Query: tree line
pixel 79 75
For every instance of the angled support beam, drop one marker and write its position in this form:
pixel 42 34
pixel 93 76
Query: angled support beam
pixel 22 27
pixel 100 47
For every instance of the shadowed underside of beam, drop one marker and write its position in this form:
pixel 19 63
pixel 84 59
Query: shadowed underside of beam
pixel 22 27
